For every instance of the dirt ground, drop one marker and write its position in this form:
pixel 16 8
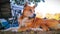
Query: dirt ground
pixel 31 32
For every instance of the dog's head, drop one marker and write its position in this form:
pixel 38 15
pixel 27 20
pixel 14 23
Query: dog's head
pixel 29 11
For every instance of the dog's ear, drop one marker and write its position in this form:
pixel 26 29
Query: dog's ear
pixel 26 4
pixel 34 6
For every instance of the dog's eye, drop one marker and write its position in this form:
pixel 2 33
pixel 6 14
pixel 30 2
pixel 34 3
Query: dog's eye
pixel 30 10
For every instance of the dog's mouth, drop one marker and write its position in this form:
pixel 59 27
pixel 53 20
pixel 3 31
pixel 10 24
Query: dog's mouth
pixel 32 16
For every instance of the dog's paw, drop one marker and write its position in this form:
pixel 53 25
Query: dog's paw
pixel 36 29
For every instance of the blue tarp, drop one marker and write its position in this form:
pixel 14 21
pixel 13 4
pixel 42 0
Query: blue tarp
pixel 7 25
pixel 4 23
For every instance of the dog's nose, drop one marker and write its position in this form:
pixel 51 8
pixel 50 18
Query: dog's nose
pixel 34 15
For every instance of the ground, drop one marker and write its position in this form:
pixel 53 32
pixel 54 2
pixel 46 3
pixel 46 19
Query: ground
pixel 31 32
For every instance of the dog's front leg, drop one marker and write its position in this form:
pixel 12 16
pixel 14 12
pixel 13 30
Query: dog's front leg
pixel 36 29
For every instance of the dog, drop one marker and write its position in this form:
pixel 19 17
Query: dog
pixel 28 20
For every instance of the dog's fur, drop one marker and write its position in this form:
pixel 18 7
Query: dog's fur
pixel 26 23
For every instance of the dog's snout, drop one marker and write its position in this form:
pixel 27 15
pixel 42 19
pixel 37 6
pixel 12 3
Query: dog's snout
pixel 34 15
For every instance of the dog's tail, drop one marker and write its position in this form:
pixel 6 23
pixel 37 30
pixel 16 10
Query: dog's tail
pixel 58 27
pixel 59 21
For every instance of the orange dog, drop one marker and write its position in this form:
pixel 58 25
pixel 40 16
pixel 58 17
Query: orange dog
pixel 29 21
